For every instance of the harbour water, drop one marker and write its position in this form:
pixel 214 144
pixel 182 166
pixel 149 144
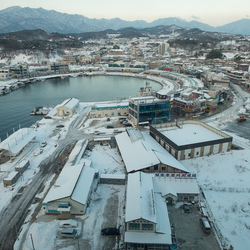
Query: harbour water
pixel 16 106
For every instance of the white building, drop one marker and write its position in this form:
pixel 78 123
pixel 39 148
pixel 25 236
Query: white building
pixel 68 107
pixel 147 223
pixel 190 139
pixel 140 152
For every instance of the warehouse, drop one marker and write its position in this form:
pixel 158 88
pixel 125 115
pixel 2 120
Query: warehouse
pixel 190 139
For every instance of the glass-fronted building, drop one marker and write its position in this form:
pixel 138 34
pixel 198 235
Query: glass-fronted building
pixel 148 110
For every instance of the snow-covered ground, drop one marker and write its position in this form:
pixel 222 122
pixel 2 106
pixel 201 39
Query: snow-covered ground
pixel 224 179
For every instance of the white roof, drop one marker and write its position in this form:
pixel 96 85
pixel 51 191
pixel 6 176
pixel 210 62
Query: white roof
pixel 18 140
pixel 134 154
pixel 140 198
pixel 144 203
pixel 65 183
pixel 11 175
pixel 84 184
pixel 189 134
pixel 172 185
pixel 70 103
pixel 148 152
pixel 113 176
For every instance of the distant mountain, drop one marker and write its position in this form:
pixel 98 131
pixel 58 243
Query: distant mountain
pixel 16 19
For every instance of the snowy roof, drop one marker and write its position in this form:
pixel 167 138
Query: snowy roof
pixel 190 134
pixel 84 184
pixel 18 140
pixel 144 203
pixel 76 154
pixel 65 183
pixel 135 161
pixel 70 103
pixel 148 152
pixel 163 155
pixel 113 176
pixel 11 175
pixel 140 198
pixel 168 185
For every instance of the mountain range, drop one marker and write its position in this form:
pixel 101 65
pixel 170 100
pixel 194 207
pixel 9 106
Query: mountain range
pixel 16 19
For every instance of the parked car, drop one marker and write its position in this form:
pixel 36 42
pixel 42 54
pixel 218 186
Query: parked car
pixel 47 117
pixel 110 231
pixel 70 233
pixel 205 225
pixel 110 126
pixel 127 124
pixel 60 126
pixel 186 208
pixel 43 144
pixel 68 224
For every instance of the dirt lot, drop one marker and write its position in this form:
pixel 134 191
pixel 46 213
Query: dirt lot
pixel 188 230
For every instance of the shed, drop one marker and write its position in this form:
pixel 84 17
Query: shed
pixel 11 178
pixel 116 179
pixel 22 166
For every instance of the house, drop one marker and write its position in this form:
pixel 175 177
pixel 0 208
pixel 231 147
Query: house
pixel 68 107
pixel 190 139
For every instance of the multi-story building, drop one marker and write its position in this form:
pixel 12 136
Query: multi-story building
pixel 5 74
pixel 58 68
pixel 148 109
pixel 19 70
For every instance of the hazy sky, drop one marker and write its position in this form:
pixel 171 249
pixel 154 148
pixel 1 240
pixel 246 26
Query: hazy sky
pixel 212 12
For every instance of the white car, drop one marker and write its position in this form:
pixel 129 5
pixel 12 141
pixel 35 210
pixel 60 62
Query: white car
pixel 43 144
pixel 68 224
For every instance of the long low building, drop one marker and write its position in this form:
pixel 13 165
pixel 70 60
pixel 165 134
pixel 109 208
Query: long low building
pixel 70 194
pixel 109 109
pixel 190 139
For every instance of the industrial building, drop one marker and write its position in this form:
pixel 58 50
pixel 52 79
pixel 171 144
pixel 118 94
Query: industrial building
pixel 68 107
pixel 190 139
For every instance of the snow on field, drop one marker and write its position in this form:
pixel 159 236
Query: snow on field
pixel 224 179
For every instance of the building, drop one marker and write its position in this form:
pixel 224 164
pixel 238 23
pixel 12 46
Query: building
pixel 15 143
pixel 19 70
pixel 58 68
pixel 68 107
pixel 11 178
pixel 5 74
pixel 150 156
pixel 22 166
pixel 147 224
pixel 148 109
pixel 71 192
pixel 115 179
pixel 109 109
pixel 190 139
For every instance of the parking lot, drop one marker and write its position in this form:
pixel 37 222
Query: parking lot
pixel 189 233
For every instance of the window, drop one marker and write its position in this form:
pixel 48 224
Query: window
pixel 197 153
pixel 133 226
pixel 163 168
pixel 148 227
pixel 156 167
pixel 189 154
pixel 191 198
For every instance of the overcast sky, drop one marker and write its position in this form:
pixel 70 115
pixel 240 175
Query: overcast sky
pixel 212 12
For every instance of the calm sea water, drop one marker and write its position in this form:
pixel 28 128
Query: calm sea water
pixel 16 106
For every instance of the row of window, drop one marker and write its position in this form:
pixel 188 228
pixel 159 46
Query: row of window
pixel 139 227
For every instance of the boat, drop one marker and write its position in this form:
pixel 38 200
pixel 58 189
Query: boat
pixel 40 110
